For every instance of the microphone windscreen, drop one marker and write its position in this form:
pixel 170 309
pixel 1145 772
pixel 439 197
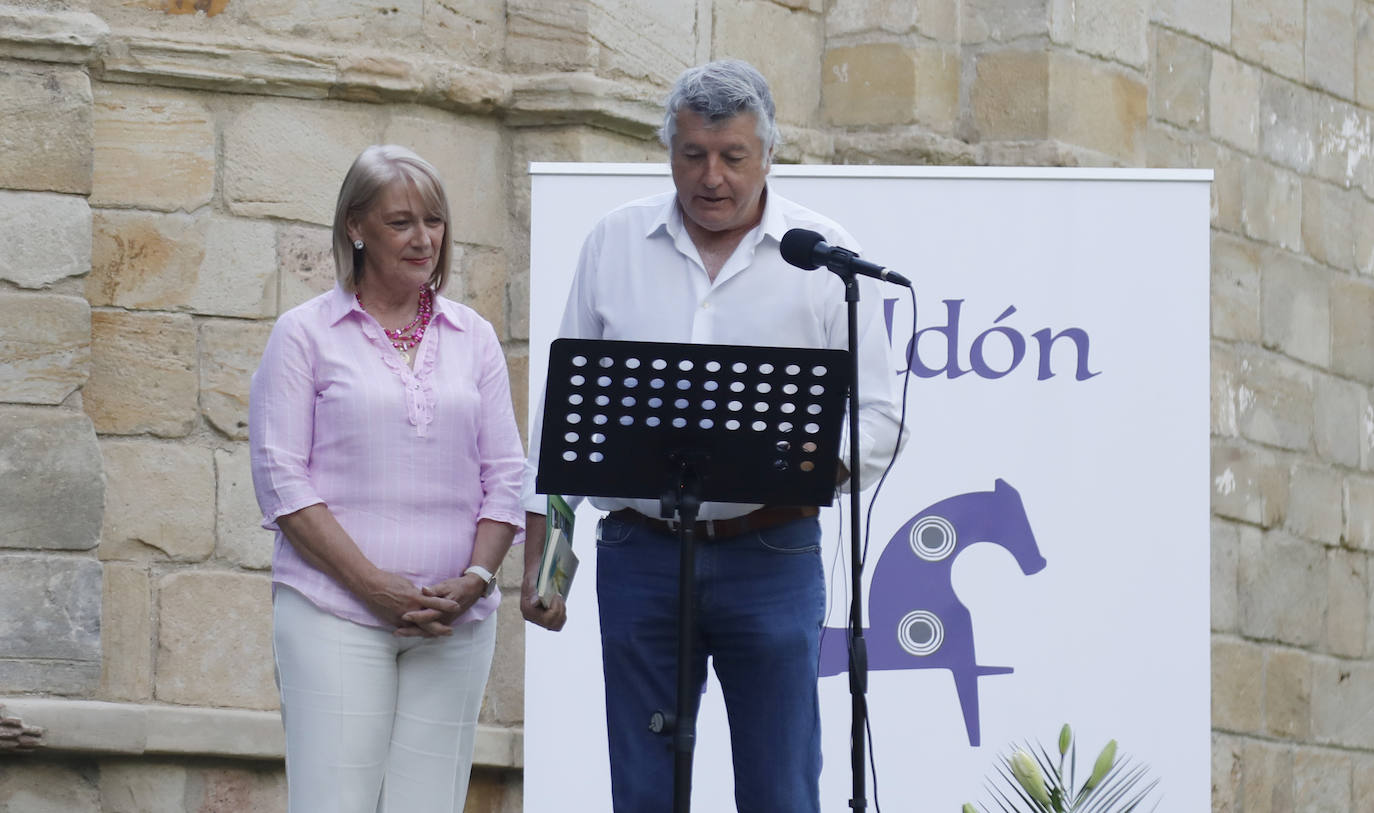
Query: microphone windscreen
pixel 798 248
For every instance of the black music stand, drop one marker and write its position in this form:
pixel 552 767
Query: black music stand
pixel 685 424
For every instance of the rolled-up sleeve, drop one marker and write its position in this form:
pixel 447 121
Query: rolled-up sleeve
pixel 281 423
pixel 498 443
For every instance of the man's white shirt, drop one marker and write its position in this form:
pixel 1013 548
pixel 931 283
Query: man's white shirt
pixel 640 278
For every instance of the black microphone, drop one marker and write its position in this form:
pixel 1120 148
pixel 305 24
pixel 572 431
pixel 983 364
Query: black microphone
pixel 807 249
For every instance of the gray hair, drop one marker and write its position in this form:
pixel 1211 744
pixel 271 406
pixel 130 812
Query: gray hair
pixel 719 91
pixel 378 167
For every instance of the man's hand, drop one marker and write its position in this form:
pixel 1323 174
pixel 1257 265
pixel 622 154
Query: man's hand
pixel 552 617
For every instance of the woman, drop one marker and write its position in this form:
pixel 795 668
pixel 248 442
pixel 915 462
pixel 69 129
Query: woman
pixel 386 457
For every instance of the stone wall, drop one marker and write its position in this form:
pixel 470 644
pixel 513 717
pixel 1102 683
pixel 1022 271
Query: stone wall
pixel 166 174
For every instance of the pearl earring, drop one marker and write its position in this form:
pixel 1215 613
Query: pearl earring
pixel 358 244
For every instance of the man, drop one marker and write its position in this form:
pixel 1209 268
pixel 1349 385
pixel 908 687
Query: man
pixel 702 265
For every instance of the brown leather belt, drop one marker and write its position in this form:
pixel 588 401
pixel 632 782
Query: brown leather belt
pixel 769 516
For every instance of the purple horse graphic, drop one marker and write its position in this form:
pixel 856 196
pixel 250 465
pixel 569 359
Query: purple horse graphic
pixel 916 620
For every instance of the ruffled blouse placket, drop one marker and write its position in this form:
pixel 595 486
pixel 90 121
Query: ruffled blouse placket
pixel 418 383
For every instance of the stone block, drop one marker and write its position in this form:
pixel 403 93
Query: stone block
pixel 1314 503
pixel 1010 95
pixel 1226 390
pixel 1234 102
pixel 140 786
pixel 127 634
pixel 287 159
pixel 1362 786
pixel 1166 146
pixel 1271 208
pixel 305 257
pixel 233 789
pixel 1352 328
pixel 1235 289
pixel 1336 410
pixel 1002 20
pixel 242 540
pixel 1287 694
pixel 1115 30
pixel 504 703
pixel 49 624
pixel 52 489
pixel 886 16
pixel 1270 33
pixel 1182 79
pixel 549 37
pixel 1274 401
pixel 1322 779
pixel 1208 21
pixel 1287 113
pixel 1248 484
pixel 1364 54
pixel 1285 595
pixel 1344 143
pixel 1228 183
pixel 1358 502
pixel 1096 107
pixel 50 34
pixel 229 353
pixel 1367 432
pixel 655 40
pixel 215 640
pixel 470 157
pixel 1237 686
pixel 1347 612
pixel 45 347
pixel 795 82
pixel 154 149
pixel 45 128
pixel 1327 227
pixel 1362 227
pixel 483 279
pixel 143 376
pixel 887 83
pixel 518 366
pixel 158 504
pixel 1226 773
pixel 48 787
pixel 469 33
pixel 43 237
pixel 1224 576
pixel 338 21
pixel 212 265
pixel 1329 55
pixel 1266 778
pixel 1342 694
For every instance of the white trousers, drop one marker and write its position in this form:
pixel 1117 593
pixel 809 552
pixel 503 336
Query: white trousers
pixel 376 723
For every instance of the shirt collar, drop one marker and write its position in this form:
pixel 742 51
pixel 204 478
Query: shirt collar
pixel 341 303
pixel 669 218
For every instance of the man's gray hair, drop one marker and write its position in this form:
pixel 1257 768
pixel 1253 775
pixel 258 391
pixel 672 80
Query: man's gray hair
pixel 719 91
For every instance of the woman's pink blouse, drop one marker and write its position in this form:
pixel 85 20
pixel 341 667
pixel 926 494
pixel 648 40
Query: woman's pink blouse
pixel 408 461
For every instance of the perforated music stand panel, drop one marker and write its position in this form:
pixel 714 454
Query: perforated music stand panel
pixel 761 424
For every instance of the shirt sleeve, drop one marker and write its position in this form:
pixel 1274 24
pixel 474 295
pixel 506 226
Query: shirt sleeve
pixel 498 440
pixel 879 413
pixel 281 423
pixel 580 321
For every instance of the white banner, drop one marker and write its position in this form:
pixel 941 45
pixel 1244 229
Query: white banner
pixel 1058 410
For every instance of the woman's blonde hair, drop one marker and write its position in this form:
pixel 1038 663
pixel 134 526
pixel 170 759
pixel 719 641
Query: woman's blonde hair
pixel 376 168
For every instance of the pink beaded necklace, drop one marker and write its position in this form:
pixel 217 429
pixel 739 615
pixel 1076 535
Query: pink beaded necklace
pixel 410 335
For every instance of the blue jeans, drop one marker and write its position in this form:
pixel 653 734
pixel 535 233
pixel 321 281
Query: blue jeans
pixel 760 604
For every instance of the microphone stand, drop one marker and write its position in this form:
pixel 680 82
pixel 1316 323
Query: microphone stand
pixel 858 648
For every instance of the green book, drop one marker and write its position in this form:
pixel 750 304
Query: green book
pixel 559 564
